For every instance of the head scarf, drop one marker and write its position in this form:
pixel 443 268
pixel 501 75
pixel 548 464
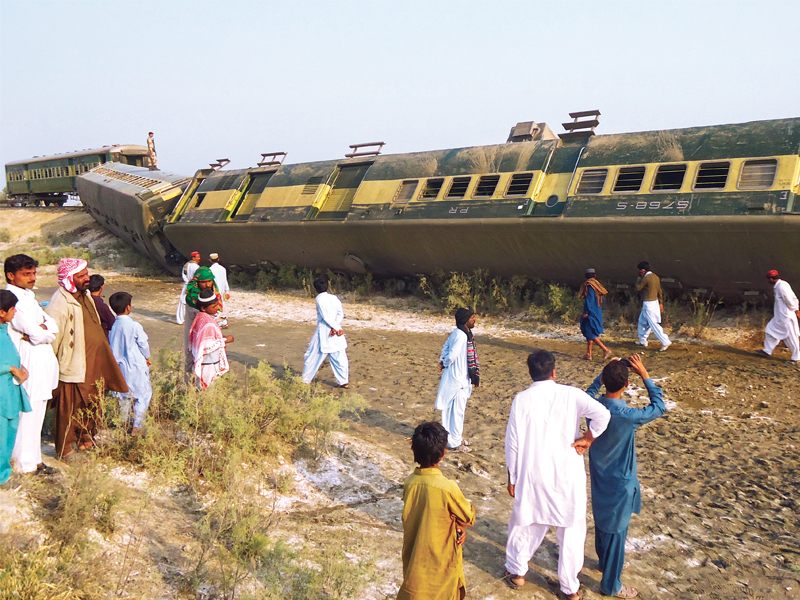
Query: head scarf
pixel 462 316
pixel 193 287
pixel 67 269
pixel 592 282
pixel 772 274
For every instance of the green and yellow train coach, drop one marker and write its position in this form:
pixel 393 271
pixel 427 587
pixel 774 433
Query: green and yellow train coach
pixel 712 208
pixel 51 180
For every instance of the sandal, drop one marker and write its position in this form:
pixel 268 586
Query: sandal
pixel 345 386
pixel 627 592
pixel 509 580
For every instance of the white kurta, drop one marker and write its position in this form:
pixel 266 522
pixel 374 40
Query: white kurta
pixel 38 358
pixel 783 325
pixel 549 476
pixel 221 278
pixel 330 315
pixel 187 273
pixel 455 387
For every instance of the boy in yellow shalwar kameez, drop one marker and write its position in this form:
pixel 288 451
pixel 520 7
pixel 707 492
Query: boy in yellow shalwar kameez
pixel 435 513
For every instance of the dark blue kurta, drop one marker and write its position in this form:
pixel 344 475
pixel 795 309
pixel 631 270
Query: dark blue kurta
pixel 592 325
pixel 612 459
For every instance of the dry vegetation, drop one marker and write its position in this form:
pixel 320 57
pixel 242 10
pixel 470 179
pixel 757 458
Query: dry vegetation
pixel 217 449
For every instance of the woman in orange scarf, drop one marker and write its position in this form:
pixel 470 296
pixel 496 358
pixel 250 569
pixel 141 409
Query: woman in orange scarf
pixel 593 292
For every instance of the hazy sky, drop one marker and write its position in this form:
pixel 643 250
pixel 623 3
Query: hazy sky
pixel 234 79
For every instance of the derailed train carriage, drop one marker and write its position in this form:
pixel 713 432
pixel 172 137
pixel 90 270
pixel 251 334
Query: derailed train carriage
pixel 711 208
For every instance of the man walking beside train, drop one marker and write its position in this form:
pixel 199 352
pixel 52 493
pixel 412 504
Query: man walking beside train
pixel 652 306
pixel 221 279
pixel 783 325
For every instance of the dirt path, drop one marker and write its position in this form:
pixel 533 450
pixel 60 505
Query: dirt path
pixel 719 473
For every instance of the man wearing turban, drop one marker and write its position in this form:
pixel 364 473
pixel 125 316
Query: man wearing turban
pixel 84 359
pixel 459 367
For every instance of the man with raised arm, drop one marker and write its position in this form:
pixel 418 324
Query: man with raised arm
pixel 616 494
pixel 546 475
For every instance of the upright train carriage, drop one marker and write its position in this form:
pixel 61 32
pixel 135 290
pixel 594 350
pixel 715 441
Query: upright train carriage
pixel 711 208
pixel 51 179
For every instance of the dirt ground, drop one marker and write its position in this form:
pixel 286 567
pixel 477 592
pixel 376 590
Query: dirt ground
pixel 720 472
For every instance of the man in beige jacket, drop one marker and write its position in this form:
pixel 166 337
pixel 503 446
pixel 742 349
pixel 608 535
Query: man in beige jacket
pixel 652 306
pixel 84 359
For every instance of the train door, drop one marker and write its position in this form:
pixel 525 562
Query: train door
pixel 338 201
pixel 247 199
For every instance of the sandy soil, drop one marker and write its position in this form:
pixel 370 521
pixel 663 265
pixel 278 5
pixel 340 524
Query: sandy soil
pixel 719 472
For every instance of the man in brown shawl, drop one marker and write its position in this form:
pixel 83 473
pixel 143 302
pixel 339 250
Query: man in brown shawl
pixel 84 359
pixel 592 292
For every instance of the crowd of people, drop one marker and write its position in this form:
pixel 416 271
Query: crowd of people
pixel 57 355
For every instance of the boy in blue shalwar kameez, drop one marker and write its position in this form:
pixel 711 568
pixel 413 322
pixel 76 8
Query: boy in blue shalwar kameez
pixel 131 350
pixel 612 465
pixel 13 398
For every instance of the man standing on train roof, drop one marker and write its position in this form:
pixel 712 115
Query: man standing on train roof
pixel 593 292
pixel 32 331
pixel 187 273
pixel 652 306
pixel 328 339
pixel 221 279
pixel 783 325
pixel 84 358
pixel 151 151
pixel 458 365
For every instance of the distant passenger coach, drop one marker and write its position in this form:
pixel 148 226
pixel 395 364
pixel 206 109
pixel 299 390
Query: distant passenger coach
pixel 51 179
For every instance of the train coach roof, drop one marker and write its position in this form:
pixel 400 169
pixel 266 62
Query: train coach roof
pixel 757 138
pixel 501 158
pixel 133 179
pixel 128 149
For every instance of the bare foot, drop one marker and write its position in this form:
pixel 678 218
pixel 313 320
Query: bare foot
pixel 607 356
pixel 587 356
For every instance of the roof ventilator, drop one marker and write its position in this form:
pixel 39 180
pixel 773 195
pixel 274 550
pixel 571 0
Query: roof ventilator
pixel 580 130
pixel 221 162
pixel 530 131
pixel 371 151
pixel 272 161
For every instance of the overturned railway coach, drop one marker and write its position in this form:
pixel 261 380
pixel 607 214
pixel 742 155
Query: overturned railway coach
pixel 52 179
pixel 711 208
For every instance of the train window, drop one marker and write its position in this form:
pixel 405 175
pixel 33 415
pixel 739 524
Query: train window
pixel 458 187
pixel 519 184
pixel 629 179
pixel 486 186
pixel 312 186
pixel 592 181
pixel 712 176
pixel 669 178
pixel 406 191
pixel 432 188
pixel 758 174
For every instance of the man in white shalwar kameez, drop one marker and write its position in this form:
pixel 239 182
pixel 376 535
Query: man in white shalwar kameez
pixel 455 387
pixel 328 339
pixel 221 279
pixel 783 326
pixel 31 331
pixel 546 474
pixel 187 273
pixel 652 306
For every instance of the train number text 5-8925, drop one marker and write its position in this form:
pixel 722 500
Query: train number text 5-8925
pixel 655 205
